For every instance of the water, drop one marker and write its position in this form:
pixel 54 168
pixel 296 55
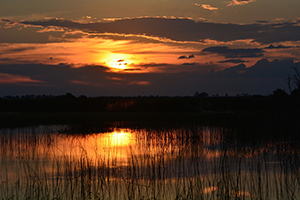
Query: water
pixel 183 162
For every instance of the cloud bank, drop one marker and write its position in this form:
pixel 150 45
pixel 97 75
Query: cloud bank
pixel 234 53
pixel 261 78
pixel 184 30
pixel 210 57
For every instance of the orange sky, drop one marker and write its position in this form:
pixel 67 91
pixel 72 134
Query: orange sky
pixel 218 47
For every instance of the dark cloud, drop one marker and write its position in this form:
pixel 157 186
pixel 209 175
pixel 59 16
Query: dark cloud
pixel 54 75
pixel 278 47
pixel 262 69
pixel 262 21
pixel 20 49
pixel 14 32
pixel 187 57
pixel 234 53
pixel 186 29
pixel 145 65
pixel 6 20
pixel 6 59
pixel 275 69
pixel 244 0
pixel 189 63
pixel 233 61
pixel 261 78
pixel 182 57
pixel 234 71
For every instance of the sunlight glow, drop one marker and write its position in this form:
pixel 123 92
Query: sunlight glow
pixel 119 139
pixel 113 145
pixel 118 62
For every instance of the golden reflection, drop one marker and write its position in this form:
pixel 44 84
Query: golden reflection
pixel 208 190
pixel 148 157
pixel 113 146
pixel 117 139
pixel 237 194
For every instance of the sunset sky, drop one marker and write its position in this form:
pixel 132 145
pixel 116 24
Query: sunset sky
pixel 154 47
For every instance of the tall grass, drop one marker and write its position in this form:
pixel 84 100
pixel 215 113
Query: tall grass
pixel 182 163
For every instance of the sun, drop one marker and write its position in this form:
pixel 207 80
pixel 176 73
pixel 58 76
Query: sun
pixel 118 62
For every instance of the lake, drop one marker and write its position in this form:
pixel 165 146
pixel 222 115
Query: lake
pixel 121 161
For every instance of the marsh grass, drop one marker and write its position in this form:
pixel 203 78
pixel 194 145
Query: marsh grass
pixel 181 163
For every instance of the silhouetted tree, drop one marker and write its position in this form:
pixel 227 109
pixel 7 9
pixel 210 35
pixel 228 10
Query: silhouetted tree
pixel 202 94
pixel 288 82
pixel 83 97
pixel 279 93
pixel 245 95
pixel 69 96
pixel 296 93
pixel 296 79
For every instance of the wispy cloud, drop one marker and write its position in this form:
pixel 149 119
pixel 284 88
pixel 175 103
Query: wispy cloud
pixel 16 79
pixel 87 83
pixel 139 83
pixel 51 29
pixel 114 78
pixel 278 19
pixel 239 2
pixel 206 6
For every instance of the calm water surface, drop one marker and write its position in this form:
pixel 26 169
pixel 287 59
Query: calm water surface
pixel 51 162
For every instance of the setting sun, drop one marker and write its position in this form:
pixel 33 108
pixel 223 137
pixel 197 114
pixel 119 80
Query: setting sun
pixel 118 62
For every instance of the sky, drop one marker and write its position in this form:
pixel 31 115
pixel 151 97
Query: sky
pixel 143 47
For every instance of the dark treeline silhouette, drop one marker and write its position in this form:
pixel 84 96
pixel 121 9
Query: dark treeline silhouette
pixel 200 102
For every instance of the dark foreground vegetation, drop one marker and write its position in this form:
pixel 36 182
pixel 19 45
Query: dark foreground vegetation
pixel 149 104
pixel 186 148
pixel 90 115
pixel 242 155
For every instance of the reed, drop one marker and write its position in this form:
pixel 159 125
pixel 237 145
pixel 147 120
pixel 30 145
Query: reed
pixel 193 162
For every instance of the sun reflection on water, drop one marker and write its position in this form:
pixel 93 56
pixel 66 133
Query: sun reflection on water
pixel 116 139
pixel 173 159
pixel 105 146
